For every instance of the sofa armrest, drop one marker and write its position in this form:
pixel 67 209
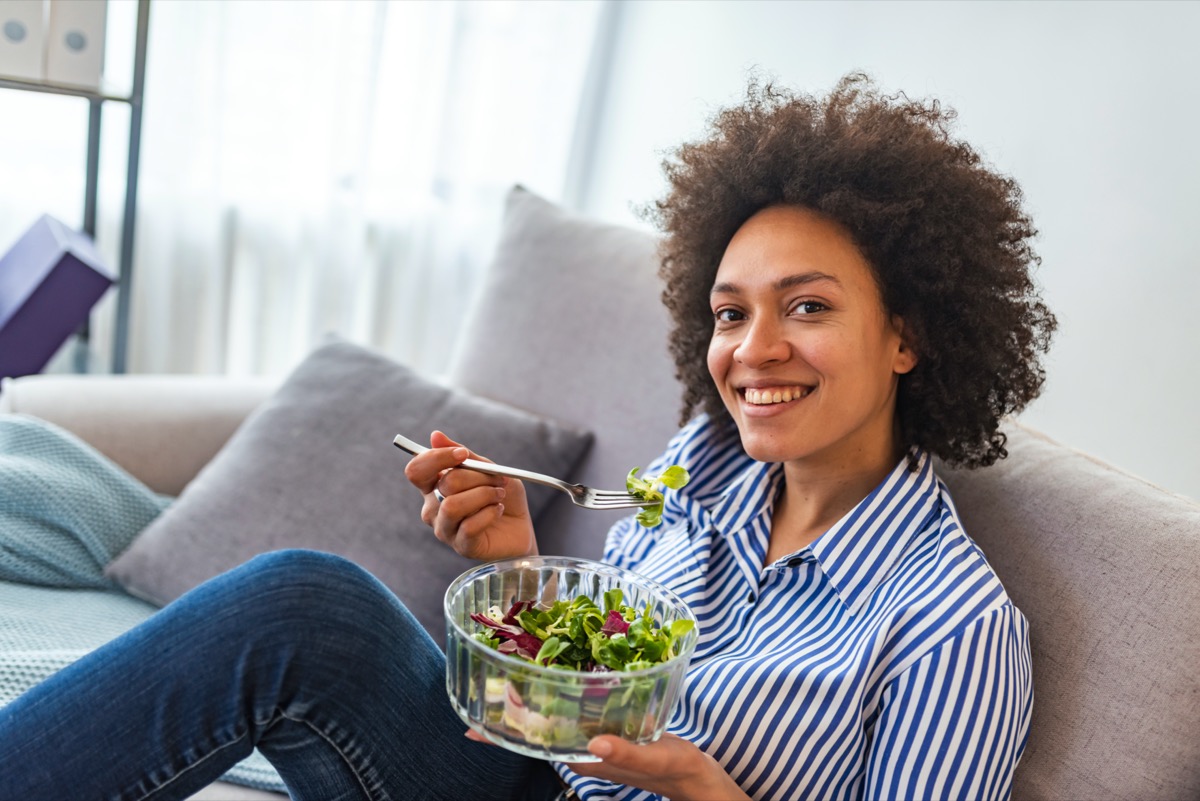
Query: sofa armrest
pixel 161 429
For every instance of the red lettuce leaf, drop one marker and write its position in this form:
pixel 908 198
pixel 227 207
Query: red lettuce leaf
pixel 526 644
pixel 615 624
pixel 517 608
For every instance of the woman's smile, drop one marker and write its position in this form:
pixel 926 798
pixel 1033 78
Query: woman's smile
pixel 772 399
pixel 769 395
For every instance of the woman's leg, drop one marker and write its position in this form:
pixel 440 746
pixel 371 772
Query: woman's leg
pixel 303 654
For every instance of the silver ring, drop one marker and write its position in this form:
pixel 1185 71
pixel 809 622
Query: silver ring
pixel 438 494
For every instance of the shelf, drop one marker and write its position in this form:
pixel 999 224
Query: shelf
pixel 101 94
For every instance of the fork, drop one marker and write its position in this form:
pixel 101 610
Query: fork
pixel 580 495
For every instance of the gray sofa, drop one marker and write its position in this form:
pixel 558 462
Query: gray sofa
pixel 568 324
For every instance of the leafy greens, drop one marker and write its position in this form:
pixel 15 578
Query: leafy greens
pixel 579 635
pixel 649 488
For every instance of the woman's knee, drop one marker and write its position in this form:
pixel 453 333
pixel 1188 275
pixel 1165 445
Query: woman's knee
pixel 304 565
pixel 299 588
pixel 315 595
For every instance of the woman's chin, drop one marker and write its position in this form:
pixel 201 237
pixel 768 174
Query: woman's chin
pixel 771 449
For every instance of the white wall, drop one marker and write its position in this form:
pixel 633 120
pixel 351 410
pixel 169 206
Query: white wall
pixel 1093 107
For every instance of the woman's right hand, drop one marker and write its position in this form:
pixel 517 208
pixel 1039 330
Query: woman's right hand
pixel 482 517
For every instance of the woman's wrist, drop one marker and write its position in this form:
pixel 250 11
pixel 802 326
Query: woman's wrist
pixel 712 783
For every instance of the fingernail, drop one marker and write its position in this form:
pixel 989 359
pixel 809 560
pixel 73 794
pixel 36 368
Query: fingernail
pixel 501 507
pixel 499 492
pixel 461 453
pixel 600 748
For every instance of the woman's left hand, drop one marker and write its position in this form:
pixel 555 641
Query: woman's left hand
pixel 672 767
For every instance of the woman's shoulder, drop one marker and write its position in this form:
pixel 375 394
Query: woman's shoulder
pixel 940 597
pixel 942 584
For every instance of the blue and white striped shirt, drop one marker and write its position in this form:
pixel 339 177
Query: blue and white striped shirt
pixel 882 661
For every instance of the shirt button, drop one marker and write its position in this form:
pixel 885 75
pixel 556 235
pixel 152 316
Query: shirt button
pixel 795 561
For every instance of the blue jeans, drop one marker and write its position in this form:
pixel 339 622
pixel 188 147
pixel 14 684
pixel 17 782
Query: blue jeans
pixel 302 654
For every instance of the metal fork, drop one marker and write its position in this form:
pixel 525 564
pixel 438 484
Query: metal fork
pixel 580 495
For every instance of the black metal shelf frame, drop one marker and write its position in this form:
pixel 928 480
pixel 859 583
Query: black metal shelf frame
pixel 96 100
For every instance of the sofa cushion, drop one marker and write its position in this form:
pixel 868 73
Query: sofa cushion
pixel 314 467
pixel 160 428
pixel 1107 569
pixel 579 275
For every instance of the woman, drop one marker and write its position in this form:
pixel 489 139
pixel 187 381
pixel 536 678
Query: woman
pixel 851 296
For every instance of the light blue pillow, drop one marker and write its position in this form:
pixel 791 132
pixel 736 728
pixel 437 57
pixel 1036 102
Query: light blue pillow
pixel 66 510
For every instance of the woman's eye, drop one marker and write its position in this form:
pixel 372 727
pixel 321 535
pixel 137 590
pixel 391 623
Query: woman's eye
pixel 727 315
pixel 809 307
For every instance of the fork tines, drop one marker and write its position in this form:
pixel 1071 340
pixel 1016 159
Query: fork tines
pixel 615 500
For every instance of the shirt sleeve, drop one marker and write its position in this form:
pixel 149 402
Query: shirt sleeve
pixel 954 724
pixel 588 789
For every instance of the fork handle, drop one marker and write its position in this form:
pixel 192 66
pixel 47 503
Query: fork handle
pixel 406 444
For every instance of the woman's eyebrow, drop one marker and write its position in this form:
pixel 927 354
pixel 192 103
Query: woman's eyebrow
pixel 787 282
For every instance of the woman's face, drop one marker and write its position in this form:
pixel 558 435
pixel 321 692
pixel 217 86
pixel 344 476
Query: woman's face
pixel 803 353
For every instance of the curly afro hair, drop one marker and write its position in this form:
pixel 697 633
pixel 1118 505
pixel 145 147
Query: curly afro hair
pixel 945 235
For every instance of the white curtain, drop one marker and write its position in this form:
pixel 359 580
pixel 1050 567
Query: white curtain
pixel 315 167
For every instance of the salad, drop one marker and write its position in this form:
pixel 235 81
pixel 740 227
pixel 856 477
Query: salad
pixel 578 635
pixel 649 488
pixel 590 651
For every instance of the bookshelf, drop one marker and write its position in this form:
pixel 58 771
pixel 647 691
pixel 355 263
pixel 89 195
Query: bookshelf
pixel 96 100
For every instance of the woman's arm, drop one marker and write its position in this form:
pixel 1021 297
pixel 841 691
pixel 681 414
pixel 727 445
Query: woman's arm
pixel 953 725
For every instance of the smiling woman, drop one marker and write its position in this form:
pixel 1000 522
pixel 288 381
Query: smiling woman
pixel 944 239
pixel 806 359
pixel 852 296
pixel 806 363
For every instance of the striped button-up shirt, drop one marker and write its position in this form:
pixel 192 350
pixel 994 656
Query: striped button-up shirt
pixel 883 661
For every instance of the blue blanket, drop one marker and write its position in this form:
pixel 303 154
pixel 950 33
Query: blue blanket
pixel 66 511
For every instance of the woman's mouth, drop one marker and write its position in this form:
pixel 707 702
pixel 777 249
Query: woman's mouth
pixel 766 396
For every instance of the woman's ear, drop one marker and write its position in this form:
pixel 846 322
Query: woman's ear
pixel 906 354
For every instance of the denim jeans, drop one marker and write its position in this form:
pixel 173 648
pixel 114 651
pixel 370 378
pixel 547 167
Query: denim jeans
pixel 302 654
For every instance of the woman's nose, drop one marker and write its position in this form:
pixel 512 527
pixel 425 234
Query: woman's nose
pixel 762 344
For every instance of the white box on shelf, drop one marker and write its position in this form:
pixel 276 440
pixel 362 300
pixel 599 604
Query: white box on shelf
pixel 75 42
pixel 22 32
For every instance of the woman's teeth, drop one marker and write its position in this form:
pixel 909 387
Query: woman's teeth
pixel 775 395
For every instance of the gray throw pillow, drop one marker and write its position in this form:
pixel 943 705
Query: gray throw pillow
pixel 600 331
pixel 314 467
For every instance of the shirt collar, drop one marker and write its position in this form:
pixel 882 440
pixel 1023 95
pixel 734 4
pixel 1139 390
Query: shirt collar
pixel 858 551
pixel 750 495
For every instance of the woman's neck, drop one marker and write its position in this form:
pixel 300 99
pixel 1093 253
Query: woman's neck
pixel 817 495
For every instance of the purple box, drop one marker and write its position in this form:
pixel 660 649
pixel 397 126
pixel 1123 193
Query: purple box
pixel 49 281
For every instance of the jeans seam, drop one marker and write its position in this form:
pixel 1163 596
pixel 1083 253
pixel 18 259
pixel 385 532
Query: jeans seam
pixel 192 766
pixel 345 757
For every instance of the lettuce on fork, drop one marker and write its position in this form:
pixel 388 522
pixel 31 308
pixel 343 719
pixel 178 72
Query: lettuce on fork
pixel 649 488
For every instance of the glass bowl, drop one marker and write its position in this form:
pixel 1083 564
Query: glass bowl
pixel 547 712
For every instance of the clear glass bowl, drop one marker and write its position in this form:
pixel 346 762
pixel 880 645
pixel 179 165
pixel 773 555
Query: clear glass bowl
pixel 546 712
